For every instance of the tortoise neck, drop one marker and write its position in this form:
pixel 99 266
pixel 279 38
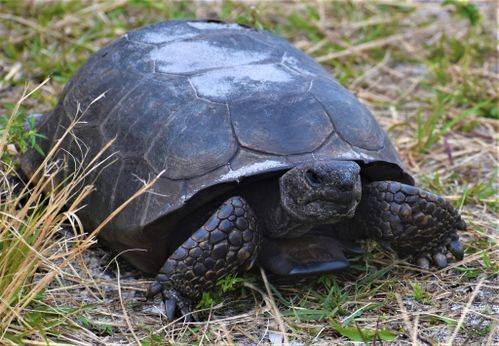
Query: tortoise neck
pixel 281 224
pixel 265 199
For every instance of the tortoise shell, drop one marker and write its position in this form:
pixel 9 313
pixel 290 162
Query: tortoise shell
pixel 209 104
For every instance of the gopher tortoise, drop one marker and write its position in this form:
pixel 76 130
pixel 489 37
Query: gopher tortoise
pixel 265 158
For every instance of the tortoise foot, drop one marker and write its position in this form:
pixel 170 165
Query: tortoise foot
pixel 412 222
pixel 227 242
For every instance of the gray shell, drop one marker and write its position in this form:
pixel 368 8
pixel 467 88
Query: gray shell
pixel 208 103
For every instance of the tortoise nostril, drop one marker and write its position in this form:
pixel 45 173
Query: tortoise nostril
pixel 313 178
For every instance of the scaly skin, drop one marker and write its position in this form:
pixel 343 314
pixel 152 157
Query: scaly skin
pixel 411 221
pixel 228 241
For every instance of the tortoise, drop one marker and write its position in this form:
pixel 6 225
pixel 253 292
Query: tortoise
pixel 264 159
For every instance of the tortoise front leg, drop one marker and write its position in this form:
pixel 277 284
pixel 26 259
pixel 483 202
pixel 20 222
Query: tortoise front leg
pixel 229 240
pixel 411 221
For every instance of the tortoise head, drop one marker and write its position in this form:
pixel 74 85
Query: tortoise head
pixel 321 192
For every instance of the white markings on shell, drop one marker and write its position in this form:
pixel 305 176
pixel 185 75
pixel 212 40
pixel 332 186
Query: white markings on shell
pixel 293 63
pixel 213 26
pixel 192 56
pixel 247 79
pixel 157 35
pixel 363 156
pixel 252 169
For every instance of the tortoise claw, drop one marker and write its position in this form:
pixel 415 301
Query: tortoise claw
pixel 185 307
pixel 173 301
pixel 423 262
pixel 170 306
pixel 456 248
pixel 153 289
pixel 440 260
pixel 189 315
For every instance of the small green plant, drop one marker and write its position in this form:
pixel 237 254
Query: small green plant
pixel 153 339
pixel 419 293
pixel 44 320
pixel 101 328
pixel 227 284
pixel 482 192
pixel 230 282
pixel 439 318
pixel 430 129
pixel 335 297
pixel 17 129
pixel 365 335
pixel 22 131
pixel 207 300
pixel 464 9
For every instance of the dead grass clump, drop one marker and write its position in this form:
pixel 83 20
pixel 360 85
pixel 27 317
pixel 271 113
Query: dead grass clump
pixel 29 224
pixel 32 216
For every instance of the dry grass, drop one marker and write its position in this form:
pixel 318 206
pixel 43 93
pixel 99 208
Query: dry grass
pixel 430 78
pixel 31 222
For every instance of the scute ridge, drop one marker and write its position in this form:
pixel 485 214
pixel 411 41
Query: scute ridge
pixel 203 98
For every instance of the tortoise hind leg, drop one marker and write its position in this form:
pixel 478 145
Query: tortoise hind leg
pixel 228 241
pixel 411 221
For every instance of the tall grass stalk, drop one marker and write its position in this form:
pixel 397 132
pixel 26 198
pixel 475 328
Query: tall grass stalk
pixel 31 217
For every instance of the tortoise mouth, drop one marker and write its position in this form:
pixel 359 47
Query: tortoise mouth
pixel 337 200
pixel 321 211
pixel 343 210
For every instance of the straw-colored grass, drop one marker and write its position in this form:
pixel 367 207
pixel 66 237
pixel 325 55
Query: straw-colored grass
pixel 32 216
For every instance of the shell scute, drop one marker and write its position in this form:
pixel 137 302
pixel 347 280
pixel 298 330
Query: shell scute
pixel 246 81
pixel 212 52
pixel 143 113
pixel 352 120
pixel 195 139
pixel 294 125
